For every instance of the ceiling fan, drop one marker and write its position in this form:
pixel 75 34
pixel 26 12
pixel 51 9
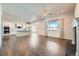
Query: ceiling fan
pixel 46 12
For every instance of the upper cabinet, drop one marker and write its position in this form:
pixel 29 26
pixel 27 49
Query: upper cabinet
pixel 77 11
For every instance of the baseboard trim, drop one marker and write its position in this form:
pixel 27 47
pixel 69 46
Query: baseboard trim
pixel 55 37
pixel 51 37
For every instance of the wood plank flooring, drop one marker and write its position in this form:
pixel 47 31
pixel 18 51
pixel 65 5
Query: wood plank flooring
pixel 35 45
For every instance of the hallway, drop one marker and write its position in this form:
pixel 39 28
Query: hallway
pixel 33 45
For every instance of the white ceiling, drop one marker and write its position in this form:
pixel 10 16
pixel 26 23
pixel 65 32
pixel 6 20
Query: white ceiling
pixel 30 12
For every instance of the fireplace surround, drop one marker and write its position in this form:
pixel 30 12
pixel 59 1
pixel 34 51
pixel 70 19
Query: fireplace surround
pixel 76 35
pixel 77 47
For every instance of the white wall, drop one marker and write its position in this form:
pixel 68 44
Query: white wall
pixel 0 26
pixel 41 28
pixel 68 31
pixel 77 10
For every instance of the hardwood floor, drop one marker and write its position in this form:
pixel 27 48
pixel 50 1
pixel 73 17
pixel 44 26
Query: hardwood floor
pixel 34 45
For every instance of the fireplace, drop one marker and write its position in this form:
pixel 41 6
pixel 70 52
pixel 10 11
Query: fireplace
pixel 6 29
pixel 75 37
pixel 75 25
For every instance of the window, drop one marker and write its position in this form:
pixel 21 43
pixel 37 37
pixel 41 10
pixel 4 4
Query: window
pixel 53 25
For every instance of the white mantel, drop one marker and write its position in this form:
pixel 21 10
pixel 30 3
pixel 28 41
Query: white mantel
pixel 74 24
pixel 77 19
pixel 77 48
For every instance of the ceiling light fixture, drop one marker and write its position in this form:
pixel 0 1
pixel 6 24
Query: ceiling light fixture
pixel 46 12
